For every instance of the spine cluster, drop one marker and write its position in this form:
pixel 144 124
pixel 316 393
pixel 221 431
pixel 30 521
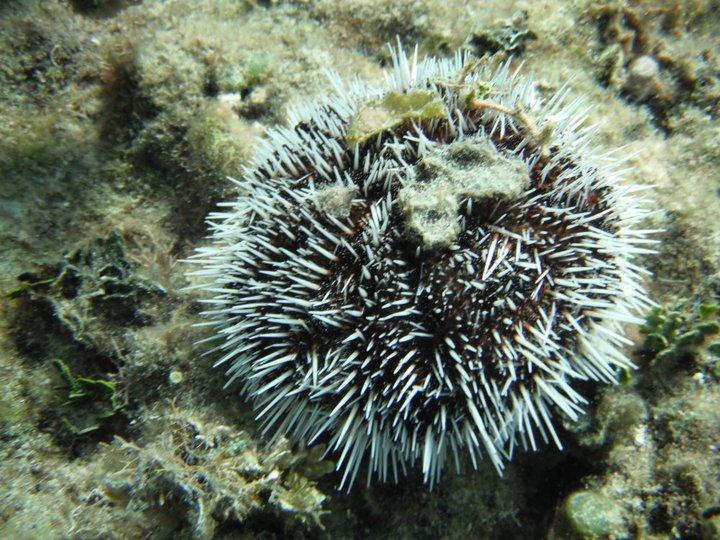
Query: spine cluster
pixel 420 270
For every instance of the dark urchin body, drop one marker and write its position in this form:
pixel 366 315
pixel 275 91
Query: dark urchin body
pixel 365 295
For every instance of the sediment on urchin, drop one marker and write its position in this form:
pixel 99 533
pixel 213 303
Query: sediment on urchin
pixel 421 269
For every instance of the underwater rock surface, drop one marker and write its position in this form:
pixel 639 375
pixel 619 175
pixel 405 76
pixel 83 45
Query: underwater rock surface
pixel 121 120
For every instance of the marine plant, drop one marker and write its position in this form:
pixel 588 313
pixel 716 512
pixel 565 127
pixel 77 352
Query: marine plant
pixel 672 335
pixel 89 402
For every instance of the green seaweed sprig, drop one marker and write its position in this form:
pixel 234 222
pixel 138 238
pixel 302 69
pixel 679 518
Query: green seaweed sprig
pixel 673 335
pixel 89 403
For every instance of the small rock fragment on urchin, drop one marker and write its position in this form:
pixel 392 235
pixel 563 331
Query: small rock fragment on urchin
pixel 422 269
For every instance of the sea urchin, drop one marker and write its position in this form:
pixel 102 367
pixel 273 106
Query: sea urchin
pixel 421 269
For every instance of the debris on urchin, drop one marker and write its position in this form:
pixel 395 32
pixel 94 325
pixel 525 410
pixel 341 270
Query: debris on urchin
pixel 421 269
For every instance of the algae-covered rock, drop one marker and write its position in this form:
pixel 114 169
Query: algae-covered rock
pixel 711 528
pixel 382 114
pixel 128 115
pixel 199 477
pixel 660 428
pixel 75 318
pixel 89 403
pixel 649 60
pixel 469 172
pixel 586 515
pixel 91 292
pixel 509 36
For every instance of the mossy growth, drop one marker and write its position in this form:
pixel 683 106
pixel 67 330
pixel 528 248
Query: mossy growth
pixel 509 37
pixel 586 515
pixel 238 78
pixel 674 337
pixel 382 114
pixel 212 141
pixel 94 288
pixel 89 404
pixel 202 478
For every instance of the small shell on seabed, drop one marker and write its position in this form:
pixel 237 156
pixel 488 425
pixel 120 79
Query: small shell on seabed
pixel 422 269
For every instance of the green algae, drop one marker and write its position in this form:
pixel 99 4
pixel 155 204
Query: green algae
pixel 379 115
pixel 673 335
pixel 89 403
pixel 93 287
pixel 200 476
pixel 479 90
pixel 586 515
pixel 240 76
